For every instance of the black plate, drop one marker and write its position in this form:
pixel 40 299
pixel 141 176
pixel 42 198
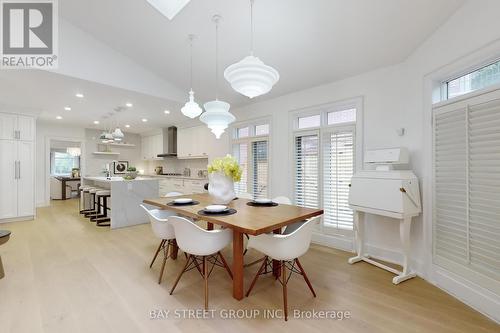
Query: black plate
pixel 257 204
pixel 230 211
pixel 192 203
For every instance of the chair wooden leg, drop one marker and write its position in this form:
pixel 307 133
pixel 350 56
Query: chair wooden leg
pixel 180 275
pixel 156 254
pixel 285 301
pixel 165 257
pixel 226 266
pixel 305 277
pixel 264 264
pixel 205 276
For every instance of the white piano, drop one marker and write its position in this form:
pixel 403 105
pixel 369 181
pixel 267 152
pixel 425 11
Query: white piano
pixel 386 192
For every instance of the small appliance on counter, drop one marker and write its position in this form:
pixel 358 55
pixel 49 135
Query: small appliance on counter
pixel 187 172
pixel 159 170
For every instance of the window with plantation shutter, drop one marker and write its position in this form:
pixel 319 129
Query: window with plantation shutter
pixel 338 168
pixel 467 188
pixel 251 150
pixel 260 169
pixel 240 152
pixel 307 170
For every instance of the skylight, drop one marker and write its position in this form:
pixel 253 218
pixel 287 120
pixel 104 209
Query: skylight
pixel 169 8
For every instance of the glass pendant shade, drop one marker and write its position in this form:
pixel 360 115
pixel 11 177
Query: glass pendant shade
pixel 251 77
pixel 118 134
pixel 217 117
pixel 191 109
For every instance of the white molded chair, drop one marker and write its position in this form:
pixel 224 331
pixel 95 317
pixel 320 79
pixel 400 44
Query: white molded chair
pixel 282 200
pixel 203 247
pixel 172 194
pixel 287 249
pixel 163 230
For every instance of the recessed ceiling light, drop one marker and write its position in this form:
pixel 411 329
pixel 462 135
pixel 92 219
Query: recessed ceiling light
pixel 58 117
pixel 144 120
pixel 129 105
pixel 168 8
pixel 96 122
pixel 127 126
pixel 166 112
pixel 67 108
pixel 79 95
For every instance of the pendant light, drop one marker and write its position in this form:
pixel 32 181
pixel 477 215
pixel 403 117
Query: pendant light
pixel 191 109
pixel 217 115
pixel 250 76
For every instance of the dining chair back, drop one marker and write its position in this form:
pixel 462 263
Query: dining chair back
pixel 160 224
pixel 245 195
pixel 282 200
pixel 172 194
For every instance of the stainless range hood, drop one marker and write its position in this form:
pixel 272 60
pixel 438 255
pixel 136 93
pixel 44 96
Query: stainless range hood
pixel 169 142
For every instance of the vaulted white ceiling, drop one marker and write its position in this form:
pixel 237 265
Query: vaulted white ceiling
pixel 310 42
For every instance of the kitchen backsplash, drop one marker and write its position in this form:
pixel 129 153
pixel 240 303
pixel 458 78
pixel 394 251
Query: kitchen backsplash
pixel 174 165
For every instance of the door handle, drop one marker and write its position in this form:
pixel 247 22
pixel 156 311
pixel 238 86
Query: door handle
pixel 18 169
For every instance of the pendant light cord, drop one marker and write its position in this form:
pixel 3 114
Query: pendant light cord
pixel 251 27
pixel 216 58
pixel 191 37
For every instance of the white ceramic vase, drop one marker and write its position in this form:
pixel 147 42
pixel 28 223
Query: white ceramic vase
pixel 221 188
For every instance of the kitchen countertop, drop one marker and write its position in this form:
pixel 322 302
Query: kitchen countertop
pixel 115 179
pixel 176 177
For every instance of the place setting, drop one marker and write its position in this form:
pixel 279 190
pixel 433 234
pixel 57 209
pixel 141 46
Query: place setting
pixel 262 202
pixel 217 210
pixel 183 202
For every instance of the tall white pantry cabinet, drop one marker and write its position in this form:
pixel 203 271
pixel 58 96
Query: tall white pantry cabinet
pixel 17 167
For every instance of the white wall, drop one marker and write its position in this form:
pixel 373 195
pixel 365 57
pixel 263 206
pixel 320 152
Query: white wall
pixel 95 164
pixel 394 97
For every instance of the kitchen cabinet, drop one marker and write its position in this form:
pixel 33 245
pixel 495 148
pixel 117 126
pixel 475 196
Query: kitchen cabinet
pixel 151 146
pixel 182 185
pixel 17 127
pixel 17 170
pixel 199 142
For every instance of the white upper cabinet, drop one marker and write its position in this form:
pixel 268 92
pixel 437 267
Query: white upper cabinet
pixel 151 146
pixel 26 128
pixel 17 127
pixel 194 142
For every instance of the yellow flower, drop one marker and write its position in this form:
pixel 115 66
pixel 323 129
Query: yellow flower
pixel 227 165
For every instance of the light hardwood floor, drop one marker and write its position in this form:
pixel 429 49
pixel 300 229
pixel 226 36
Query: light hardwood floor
pixel 64 274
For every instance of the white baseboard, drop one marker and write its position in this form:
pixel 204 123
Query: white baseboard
pixel 18 219
pixel 481 299
pixel 338 242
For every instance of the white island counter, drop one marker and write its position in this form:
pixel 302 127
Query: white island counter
pixel 126 196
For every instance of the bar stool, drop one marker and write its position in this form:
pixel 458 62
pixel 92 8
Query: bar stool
pixel 82 202
pixel 4 237
pixel 102 219
pixel 92 199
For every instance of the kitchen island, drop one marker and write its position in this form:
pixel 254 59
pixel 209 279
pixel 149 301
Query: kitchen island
pixel 126 196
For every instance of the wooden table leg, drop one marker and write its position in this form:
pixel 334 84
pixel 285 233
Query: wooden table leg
pixel 237 265
pixel 63 190
pixel 174 250
pixel 276 263
pixel 210 226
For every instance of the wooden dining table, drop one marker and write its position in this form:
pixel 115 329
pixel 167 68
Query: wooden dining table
pixel 250 220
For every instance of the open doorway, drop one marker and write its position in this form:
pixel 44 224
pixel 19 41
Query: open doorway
pixel 64 168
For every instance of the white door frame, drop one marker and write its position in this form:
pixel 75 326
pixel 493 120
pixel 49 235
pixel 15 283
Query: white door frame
pixel 48 141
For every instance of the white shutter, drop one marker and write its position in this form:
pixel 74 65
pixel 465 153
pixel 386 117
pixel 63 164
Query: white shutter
pixel 307 170
pixel 450 170
pixel 240 152
pixel 484 187
pixel 467 189
pixel 338 168
pixel 260 167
